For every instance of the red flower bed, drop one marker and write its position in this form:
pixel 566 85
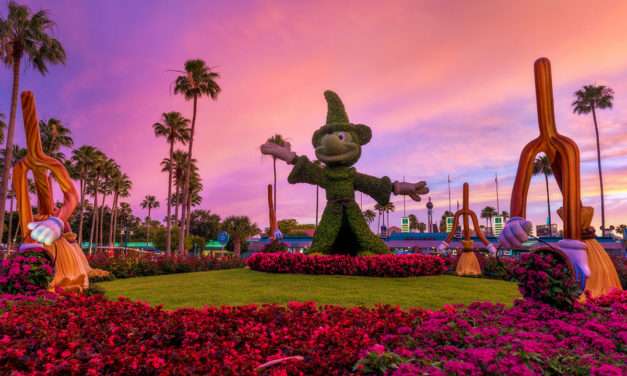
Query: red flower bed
pixel 145 264
pixel 89 335
pixel 378 266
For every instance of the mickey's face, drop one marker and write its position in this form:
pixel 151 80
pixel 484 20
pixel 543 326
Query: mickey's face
pixel 338 149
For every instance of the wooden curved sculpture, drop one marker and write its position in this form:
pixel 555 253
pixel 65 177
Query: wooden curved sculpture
pixel 71 267
pixel 564 156
pixel 467 263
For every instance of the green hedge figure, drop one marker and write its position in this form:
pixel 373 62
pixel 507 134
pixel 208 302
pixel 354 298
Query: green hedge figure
pixel 342 229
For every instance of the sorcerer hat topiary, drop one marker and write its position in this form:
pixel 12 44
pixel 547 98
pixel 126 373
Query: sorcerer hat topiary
pixel 337 120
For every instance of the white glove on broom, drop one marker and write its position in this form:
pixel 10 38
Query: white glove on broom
pixel 46 231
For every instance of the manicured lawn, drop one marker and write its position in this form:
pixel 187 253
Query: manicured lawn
pixel 243 286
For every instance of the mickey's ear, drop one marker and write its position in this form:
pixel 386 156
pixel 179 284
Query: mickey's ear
pixel 364 133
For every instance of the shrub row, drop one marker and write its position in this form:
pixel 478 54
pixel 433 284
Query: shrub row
pixel 145 264
pixel 376 265
pixel 79 335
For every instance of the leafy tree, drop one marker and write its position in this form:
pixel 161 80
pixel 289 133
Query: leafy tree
pixel 174 128
pixel 24 34
pixel 239 228
pixel 542 166
pixel 197 81
pixel 446 214
pixel 292 227
pixel 413 222
pixel 205 224
pixel 587 100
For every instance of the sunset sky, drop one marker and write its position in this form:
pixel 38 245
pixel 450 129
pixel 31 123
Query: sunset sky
pixel 446 86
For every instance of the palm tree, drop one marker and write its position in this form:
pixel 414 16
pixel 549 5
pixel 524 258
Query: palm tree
pixel 93 187
pixel 110 169
pixel 587 100
pixel 150 202
pixel 55 135
pixel 279 140
pixel 488 212
pixel 388 208
pixel 239 228
pixel 369 216
pixel 121 185
pixel 198 81
pixel 24 34
pixel 194 199
pixel 82 162
pixel 542 166
pixel 422 227
pixel 379 209
pixel 174 128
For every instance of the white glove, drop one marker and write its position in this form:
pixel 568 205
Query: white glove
pixel 282 152
pixel 575 250
pixel 47 231
pixel 442 247
pixel 491 249
pixel 515 233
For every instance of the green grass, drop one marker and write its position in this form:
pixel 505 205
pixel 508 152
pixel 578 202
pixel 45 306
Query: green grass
pixel 243 286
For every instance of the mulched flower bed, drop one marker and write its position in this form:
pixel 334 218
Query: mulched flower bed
pixel 376 266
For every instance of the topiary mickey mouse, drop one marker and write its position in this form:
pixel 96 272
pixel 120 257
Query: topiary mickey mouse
pixel 342 229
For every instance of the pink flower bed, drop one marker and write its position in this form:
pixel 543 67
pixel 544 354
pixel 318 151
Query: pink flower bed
pixel 377 266
pixel 530 338
pixel 91 336
pixel 25 272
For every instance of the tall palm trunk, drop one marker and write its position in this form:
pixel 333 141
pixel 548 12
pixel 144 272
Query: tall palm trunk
pixel 148 224
pixel 9 145
pixel 176 205
pixel 101 222
pixel 168 222
pixel 596 132
pixel 82 210
pixel 94 219
pixel 112 219
pixel 187 177
pixel 188 219
pixel 548 198
pixel 379 224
